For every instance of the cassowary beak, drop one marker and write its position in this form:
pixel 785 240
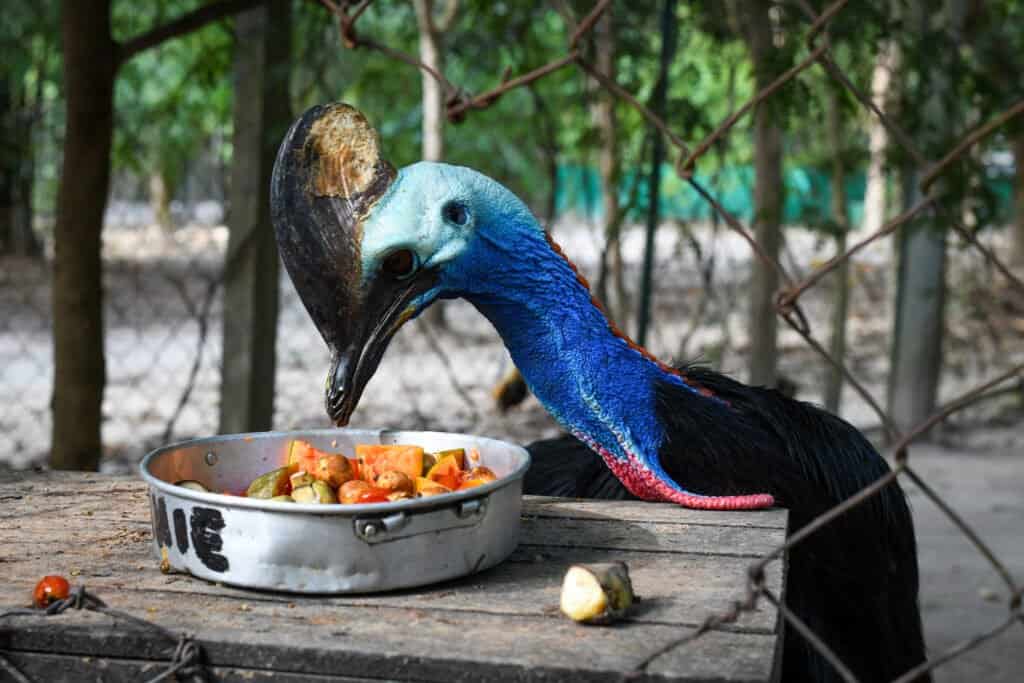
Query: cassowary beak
pixel 327 178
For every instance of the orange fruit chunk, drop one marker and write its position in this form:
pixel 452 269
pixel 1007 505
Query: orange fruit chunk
pixel 376 459
pixel 446 472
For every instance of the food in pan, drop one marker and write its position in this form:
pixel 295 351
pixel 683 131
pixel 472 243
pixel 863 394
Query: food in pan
pixel 378 473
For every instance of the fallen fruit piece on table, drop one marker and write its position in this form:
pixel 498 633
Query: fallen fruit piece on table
pixel 50 589
pixel 596 593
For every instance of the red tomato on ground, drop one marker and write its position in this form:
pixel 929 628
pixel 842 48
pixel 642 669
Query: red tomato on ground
pixel 50 589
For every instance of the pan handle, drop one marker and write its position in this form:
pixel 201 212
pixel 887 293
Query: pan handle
pixel 467 513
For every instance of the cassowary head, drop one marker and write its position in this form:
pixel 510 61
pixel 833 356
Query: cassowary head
pixel 368 248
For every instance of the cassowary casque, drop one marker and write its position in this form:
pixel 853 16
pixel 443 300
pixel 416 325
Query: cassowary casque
pixel 369 248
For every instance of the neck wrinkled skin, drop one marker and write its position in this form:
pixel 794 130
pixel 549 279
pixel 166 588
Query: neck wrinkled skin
pixel 592 380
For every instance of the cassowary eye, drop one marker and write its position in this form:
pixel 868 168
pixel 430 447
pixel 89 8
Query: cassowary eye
pixel 455 213
pixel 400 264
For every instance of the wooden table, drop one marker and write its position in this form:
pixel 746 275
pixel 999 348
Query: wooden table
pixel 502 624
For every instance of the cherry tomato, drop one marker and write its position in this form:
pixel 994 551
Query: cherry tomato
pixel 50 589
pixel 374 495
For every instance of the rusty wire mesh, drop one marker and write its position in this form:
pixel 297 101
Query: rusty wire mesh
pixel 460 103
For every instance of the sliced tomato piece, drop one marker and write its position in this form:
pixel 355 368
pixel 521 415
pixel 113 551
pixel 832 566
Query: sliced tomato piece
pixel 374 495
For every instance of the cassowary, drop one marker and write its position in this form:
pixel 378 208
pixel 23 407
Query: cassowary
pixel 368 248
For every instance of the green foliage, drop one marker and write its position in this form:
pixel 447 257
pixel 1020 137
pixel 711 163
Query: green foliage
pixel 31 69
pixel 174 99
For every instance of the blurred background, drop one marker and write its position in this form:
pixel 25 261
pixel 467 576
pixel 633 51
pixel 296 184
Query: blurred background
pixel 135 245
pixel 875 157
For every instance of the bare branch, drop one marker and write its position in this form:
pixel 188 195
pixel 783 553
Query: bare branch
pixel 188 22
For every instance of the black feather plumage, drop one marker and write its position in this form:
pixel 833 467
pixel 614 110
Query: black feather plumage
pixel 854 582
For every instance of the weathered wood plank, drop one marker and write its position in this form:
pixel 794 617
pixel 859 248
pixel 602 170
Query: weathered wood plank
pixel 503 622
pixel 612 534
pixel 638 511
pixel 386 642
pixel 74 669
pixel 106 543
pixel 674 589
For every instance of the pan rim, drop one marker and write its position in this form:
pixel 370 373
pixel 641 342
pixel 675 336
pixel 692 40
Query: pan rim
pixel 445 500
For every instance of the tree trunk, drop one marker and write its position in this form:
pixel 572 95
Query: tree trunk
pixel 1018 200
pixel 79 371
pixel 612 286
pixel 160 201
pixel 840 304
pixel 916 354
pixel 8 166
pixel 768 194
pixel 658 105
pixel 886 63
pixel 261 118
pixel 432 54
pixel 16 175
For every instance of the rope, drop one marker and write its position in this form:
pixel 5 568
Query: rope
pixel 186 660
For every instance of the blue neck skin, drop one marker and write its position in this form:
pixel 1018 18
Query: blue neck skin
pixel 590 379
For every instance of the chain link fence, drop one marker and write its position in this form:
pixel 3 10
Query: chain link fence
pixel 794 289
pixel 164 307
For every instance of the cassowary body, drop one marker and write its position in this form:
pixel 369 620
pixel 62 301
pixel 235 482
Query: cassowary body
pixel 368 250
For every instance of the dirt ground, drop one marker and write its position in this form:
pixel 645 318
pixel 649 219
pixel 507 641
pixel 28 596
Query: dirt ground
pixel 961 595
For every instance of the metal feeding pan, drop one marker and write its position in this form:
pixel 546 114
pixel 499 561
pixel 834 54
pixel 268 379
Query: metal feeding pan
pixel 310 548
